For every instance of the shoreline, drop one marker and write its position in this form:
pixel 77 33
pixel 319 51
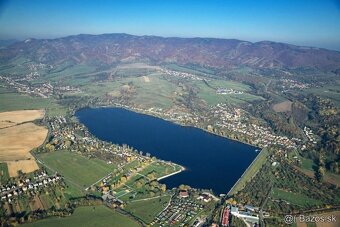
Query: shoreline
pixel 244 173
pixel 141 111
pixel 171 174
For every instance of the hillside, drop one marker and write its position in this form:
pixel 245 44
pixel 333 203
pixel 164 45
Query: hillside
pixel 109 49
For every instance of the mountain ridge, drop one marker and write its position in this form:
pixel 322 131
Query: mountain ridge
pixel 210 52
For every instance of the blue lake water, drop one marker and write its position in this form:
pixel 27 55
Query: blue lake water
pixel 211 162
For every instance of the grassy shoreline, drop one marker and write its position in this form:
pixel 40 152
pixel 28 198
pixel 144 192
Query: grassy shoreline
pixel 250 172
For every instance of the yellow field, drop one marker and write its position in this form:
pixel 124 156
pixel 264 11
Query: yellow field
pixel 17 139
pixel 16 117
pixel 26 166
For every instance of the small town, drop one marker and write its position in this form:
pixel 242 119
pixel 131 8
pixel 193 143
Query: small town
pixel 183 75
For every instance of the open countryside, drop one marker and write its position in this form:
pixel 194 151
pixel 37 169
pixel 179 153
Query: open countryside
pixel 169 113
pixel 15 152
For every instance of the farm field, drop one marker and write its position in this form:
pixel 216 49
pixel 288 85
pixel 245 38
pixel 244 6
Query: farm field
pixel 12 148
pixel 10 101
pixel 16 117
pixel 16 152
pixel 148 209
pixel 207 92
pixel 88 217
pixel 150 90
pixel 77 168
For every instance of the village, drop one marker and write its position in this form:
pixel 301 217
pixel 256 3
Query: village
pixel 44 90
pixel 28 185
pixel 183 75
pixel 236 121
pixel 292 84
pixel 66 134
pixel 225 120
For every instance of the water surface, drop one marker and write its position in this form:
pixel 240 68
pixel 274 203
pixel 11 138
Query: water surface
pixel 211 162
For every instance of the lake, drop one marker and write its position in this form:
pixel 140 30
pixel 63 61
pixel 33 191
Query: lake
pixel 211 162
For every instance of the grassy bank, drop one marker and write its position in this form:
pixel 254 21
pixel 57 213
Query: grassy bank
pixel 250 171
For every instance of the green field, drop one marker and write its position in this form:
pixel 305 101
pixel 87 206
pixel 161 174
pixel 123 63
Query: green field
pixel 157 92
pixel 68 73
pixel 160 169
pixel 250 172
pixel 209 95
pixel 88 217
pixel 148 209
pixel 295 198
pixel 10 101
pixel 77 168
pixel 3 172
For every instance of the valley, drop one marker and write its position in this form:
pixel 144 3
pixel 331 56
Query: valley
pixel 289 112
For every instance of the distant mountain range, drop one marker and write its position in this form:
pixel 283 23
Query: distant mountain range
pixel 108 49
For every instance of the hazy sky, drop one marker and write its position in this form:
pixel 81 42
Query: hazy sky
pixel 301 22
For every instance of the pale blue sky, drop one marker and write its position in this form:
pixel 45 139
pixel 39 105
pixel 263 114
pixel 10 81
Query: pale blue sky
pixel 301 22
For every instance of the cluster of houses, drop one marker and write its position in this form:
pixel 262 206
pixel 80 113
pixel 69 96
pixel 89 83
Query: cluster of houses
pixel 27 185
pixel 292 84
pixel 235 120
pixel 112 201
pixel 182 208
pixel 310 135
pixel 181 74
pixel 171 115
pixel 67 134
pixel 43 90
pixel 226 91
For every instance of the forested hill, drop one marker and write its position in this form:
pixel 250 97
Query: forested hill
pixel 108 49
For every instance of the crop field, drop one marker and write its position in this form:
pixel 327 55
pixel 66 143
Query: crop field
pixel 12 148
pixel 88 217
pixel 157 92
pixel 26 166
pixel 10 101
pixel 209 95
pixel 15 117
pixel 149 208
pixel 77 168
pixel 151 90
pixel 16 141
